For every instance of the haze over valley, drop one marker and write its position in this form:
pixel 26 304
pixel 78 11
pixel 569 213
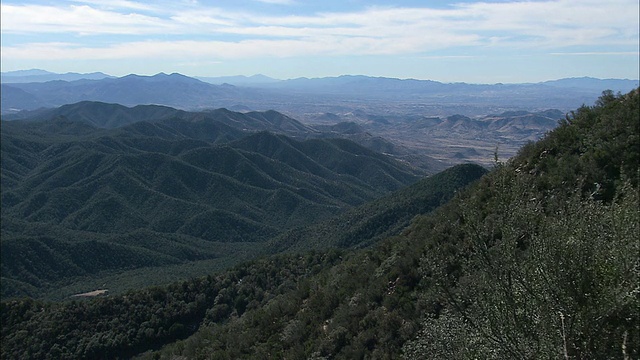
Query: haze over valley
pixel 427 123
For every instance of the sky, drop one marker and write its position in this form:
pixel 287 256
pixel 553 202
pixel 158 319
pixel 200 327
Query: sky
pixel 487 41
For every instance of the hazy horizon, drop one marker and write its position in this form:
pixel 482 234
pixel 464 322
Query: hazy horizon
pixel 27 72
pixel 470 41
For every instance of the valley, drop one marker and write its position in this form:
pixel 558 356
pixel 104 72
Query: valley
pixel 166 193
pixel 430 124
pixel 232 243
pixel 346 225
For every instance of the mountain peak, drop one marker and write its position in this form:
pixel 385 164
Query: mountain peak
pixel 30 72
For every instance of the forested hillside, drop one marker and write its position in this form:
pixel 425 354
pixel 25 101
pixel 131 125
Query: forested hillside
pixel 80 202
pixel 380 218
pixel 539 259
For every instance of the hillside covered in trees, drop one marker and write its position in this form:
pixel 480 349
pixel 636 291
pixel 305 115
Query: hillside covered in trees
pixel 80 203
pixel 537 259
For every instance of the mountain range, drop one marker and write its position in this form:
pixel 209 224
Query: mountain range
pixel 301 96
pixel 343 84
pixel 537 258
pixel 112 115
pixel 37 75
pixel 173 90
pixel 215 186
pixel 394 115
pixel 154 186
pixel 430 143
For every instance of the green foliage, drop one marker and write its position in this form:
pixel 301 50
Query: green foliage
pixel 361 306
pixel 591 149
pixel 381 218
pixel 238 316
pixel 531 285
pixel 119 327
pixel 532 261
pixel 79 201
pixel 538 263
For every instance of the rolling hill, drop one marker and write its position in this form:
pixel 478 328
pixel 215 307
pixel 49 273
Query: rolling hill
pixel 219 125
pixel 166 192
pixel 388 110
pixel 378 219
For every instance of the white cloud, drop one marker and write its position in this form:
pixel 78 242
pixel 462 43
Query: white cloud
pixel 119 4
pixel 277 2
pixel 332 45
pixel 375 30
pixel 78 19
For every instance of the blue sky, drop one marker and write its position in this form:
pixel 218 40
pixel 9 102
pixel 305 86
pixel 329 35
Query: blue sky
pixel 471 41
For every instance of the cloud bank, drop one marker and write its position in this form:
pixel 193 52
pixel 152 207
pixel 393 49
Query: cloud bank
pixel 191 29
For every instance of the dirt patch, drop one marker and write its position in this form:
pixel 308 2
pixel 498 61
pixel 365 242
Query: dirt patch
pixel 92 293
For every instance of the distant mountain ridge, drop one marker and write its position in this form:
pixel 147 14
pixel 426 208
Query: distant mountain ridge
pixel 337 83
pixel 37 75
pixel 239 80
pixel 174 90
pixel 594 83
pixel 394 115
pixel 261 92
